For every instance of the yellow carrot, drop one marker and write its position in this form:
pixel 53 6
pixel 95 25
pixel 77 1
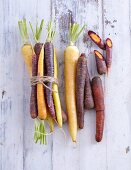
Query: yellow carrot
pixel 71 56
pixel 27 53
pixel 56 97
pixel 42 111
pixel 27 50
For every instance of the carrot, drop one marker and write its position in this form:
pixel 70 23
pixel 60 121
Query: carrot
pixel 108 53
pixel 27 50
pixel 100 63
pixel 56 97
pixel 49 64
pixel 42 112
pixel 99 106
pixel 80 84
pixel 71 55
pixel 33 98
pixel 88 98
pixel 96 39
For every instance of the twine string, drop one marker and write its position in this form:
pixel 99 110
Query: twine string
pixel 42 80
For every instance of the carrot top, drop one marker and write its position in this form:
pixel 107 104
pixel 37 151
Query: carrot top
pixel 23 31
pixel 40 132
pixel 74 32
pixel 37 31
pixel 50 32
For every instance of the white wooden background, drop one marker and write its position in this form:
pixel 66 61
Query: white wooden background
pixel 109 18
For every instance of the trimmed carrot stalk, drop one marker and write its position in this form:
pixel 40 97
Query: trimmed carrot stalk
pixel 56 97
pixel 88 97
pixel 98 95
pixel 71 55
pixel 96 39
pixel 80 84
pixel 108 53
pixel 100 63
pixel 42 111
pixel 33 98
pixel 64 117
pixel 27 50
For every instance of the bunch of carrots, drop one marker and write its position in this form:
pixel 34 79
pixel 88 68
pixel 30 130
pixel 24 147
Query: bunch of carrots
pixel 41 62
pixel 80 92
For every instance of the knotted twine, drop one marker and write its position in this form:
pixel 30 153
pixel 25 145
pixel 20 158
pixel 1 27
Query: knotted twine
pixel 42 80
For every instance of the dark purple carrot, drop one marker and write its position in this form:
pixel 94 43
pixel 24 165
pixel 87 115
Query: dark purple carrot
pixel 108 53
pixel 88 98
pixel 98 95
pixel 33 98
pixel 97 40
pixel 100 63
pixel 49 66
pixel 80 84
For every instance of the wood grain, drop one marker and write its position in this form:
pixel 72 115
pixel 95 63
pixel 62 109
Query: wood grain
pixel 17 148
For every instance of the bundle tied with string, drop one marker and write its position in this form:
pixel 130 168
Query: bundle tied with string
pixel 42 80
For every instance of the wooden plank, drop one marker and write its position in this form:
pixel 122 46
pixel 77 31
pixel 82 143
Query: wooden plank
pixel 75 157
pixel 65 153
pixel 35 156
pixel 118 83
pixel 11 98
pixel 90 13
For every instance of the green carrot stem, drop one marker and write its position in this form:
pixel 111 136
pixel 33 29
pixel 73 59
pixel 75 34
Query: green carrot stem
pixel 74 32
pixel 37 31
pixel 23 31
pixel 50 32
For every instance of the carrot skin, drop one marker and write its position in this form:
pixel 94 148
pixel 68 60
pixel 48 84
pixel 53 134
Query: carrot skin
pixel 96 39
pixel 88 97
pixel 108 53
pixel 49 71
pixel 42 110
pixel 100 63
pixel 100 116
pixel 56 98
pixel 80 84
pixel 37 48
pixel 71 56
pixel 33 98
pixel 98 95
pixel 27 52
